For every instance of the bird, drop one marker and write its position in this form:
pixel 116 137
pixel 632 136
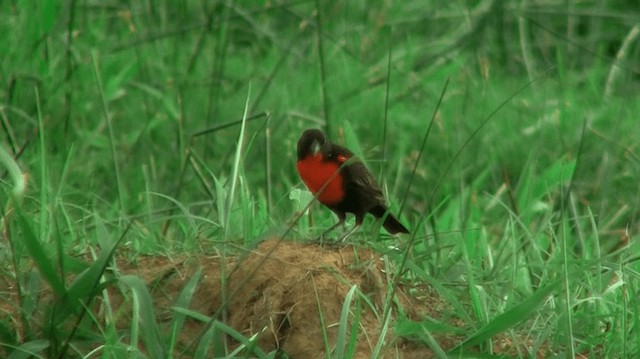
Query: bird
pixel 341 182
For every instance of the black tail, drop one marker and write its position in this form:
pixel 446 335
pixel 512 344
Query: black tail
pixel 391 224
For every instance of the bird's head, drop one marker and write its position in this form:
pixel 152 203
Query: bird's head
pixel 311 143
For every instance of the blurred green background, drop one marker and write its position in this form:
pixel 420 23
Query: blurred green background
pixel 160 72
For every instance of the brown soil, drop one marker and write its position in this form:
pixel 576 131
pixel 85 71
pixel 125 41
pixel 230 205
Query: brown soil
pixel 290 293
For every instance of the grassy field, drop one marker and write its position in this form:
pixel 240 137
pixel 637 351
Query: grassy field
pixel 143 139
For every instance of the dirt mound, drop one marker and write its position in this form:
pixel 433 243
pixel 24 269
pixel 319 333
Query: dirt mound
pixel 298 291
pixel 289 294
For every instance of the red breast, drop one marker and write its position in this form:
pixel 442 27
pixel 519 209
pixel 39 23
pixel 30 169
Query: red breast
pixel 323 176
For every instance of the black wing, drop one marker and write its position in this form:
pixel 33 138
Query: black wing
pixel 361 180
pixel 357 177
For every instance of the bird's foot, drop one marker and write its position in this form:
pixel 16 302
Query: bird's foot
pixel 327 241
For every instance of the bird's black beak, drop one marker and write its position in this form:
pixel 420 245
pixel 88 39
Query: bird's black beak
pixel 315 147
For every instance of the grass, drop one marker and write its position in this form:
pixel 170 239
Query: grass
pixel 138 128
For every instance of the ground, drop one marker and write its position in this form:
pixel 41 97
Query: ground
pixel 287 293
pixel 279 291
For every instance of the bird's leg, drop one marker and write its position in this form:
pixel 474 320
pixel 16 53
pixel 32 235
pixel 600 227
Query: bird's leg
pixel 341 218
pixel 344 237
pixel 359 219
pixel 340 223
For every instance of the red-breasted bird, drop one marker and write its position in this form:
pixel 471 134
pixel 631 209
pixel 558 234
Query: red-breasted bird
pixel 341 182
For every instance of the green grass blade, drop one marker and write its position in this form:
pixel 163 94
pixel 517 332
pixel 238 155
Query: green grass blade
pixel 423 147
pixel 422 330
pixel 509 318
pixel 323 325
pixel 248 343
pixel 85 287
pixel 323 69
pixel 184 298
pixel 566 265
pixel 386 315
pixel 343 325
pixel 85 284
pixel 143 303
pixel 38 252
pixel 236 165
pixel 202 350
pixel 14 172
pixel 355 328
pixel 112 140
pixel 218 330
pixel 30 349
pixel 351 140
pixel 43 222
